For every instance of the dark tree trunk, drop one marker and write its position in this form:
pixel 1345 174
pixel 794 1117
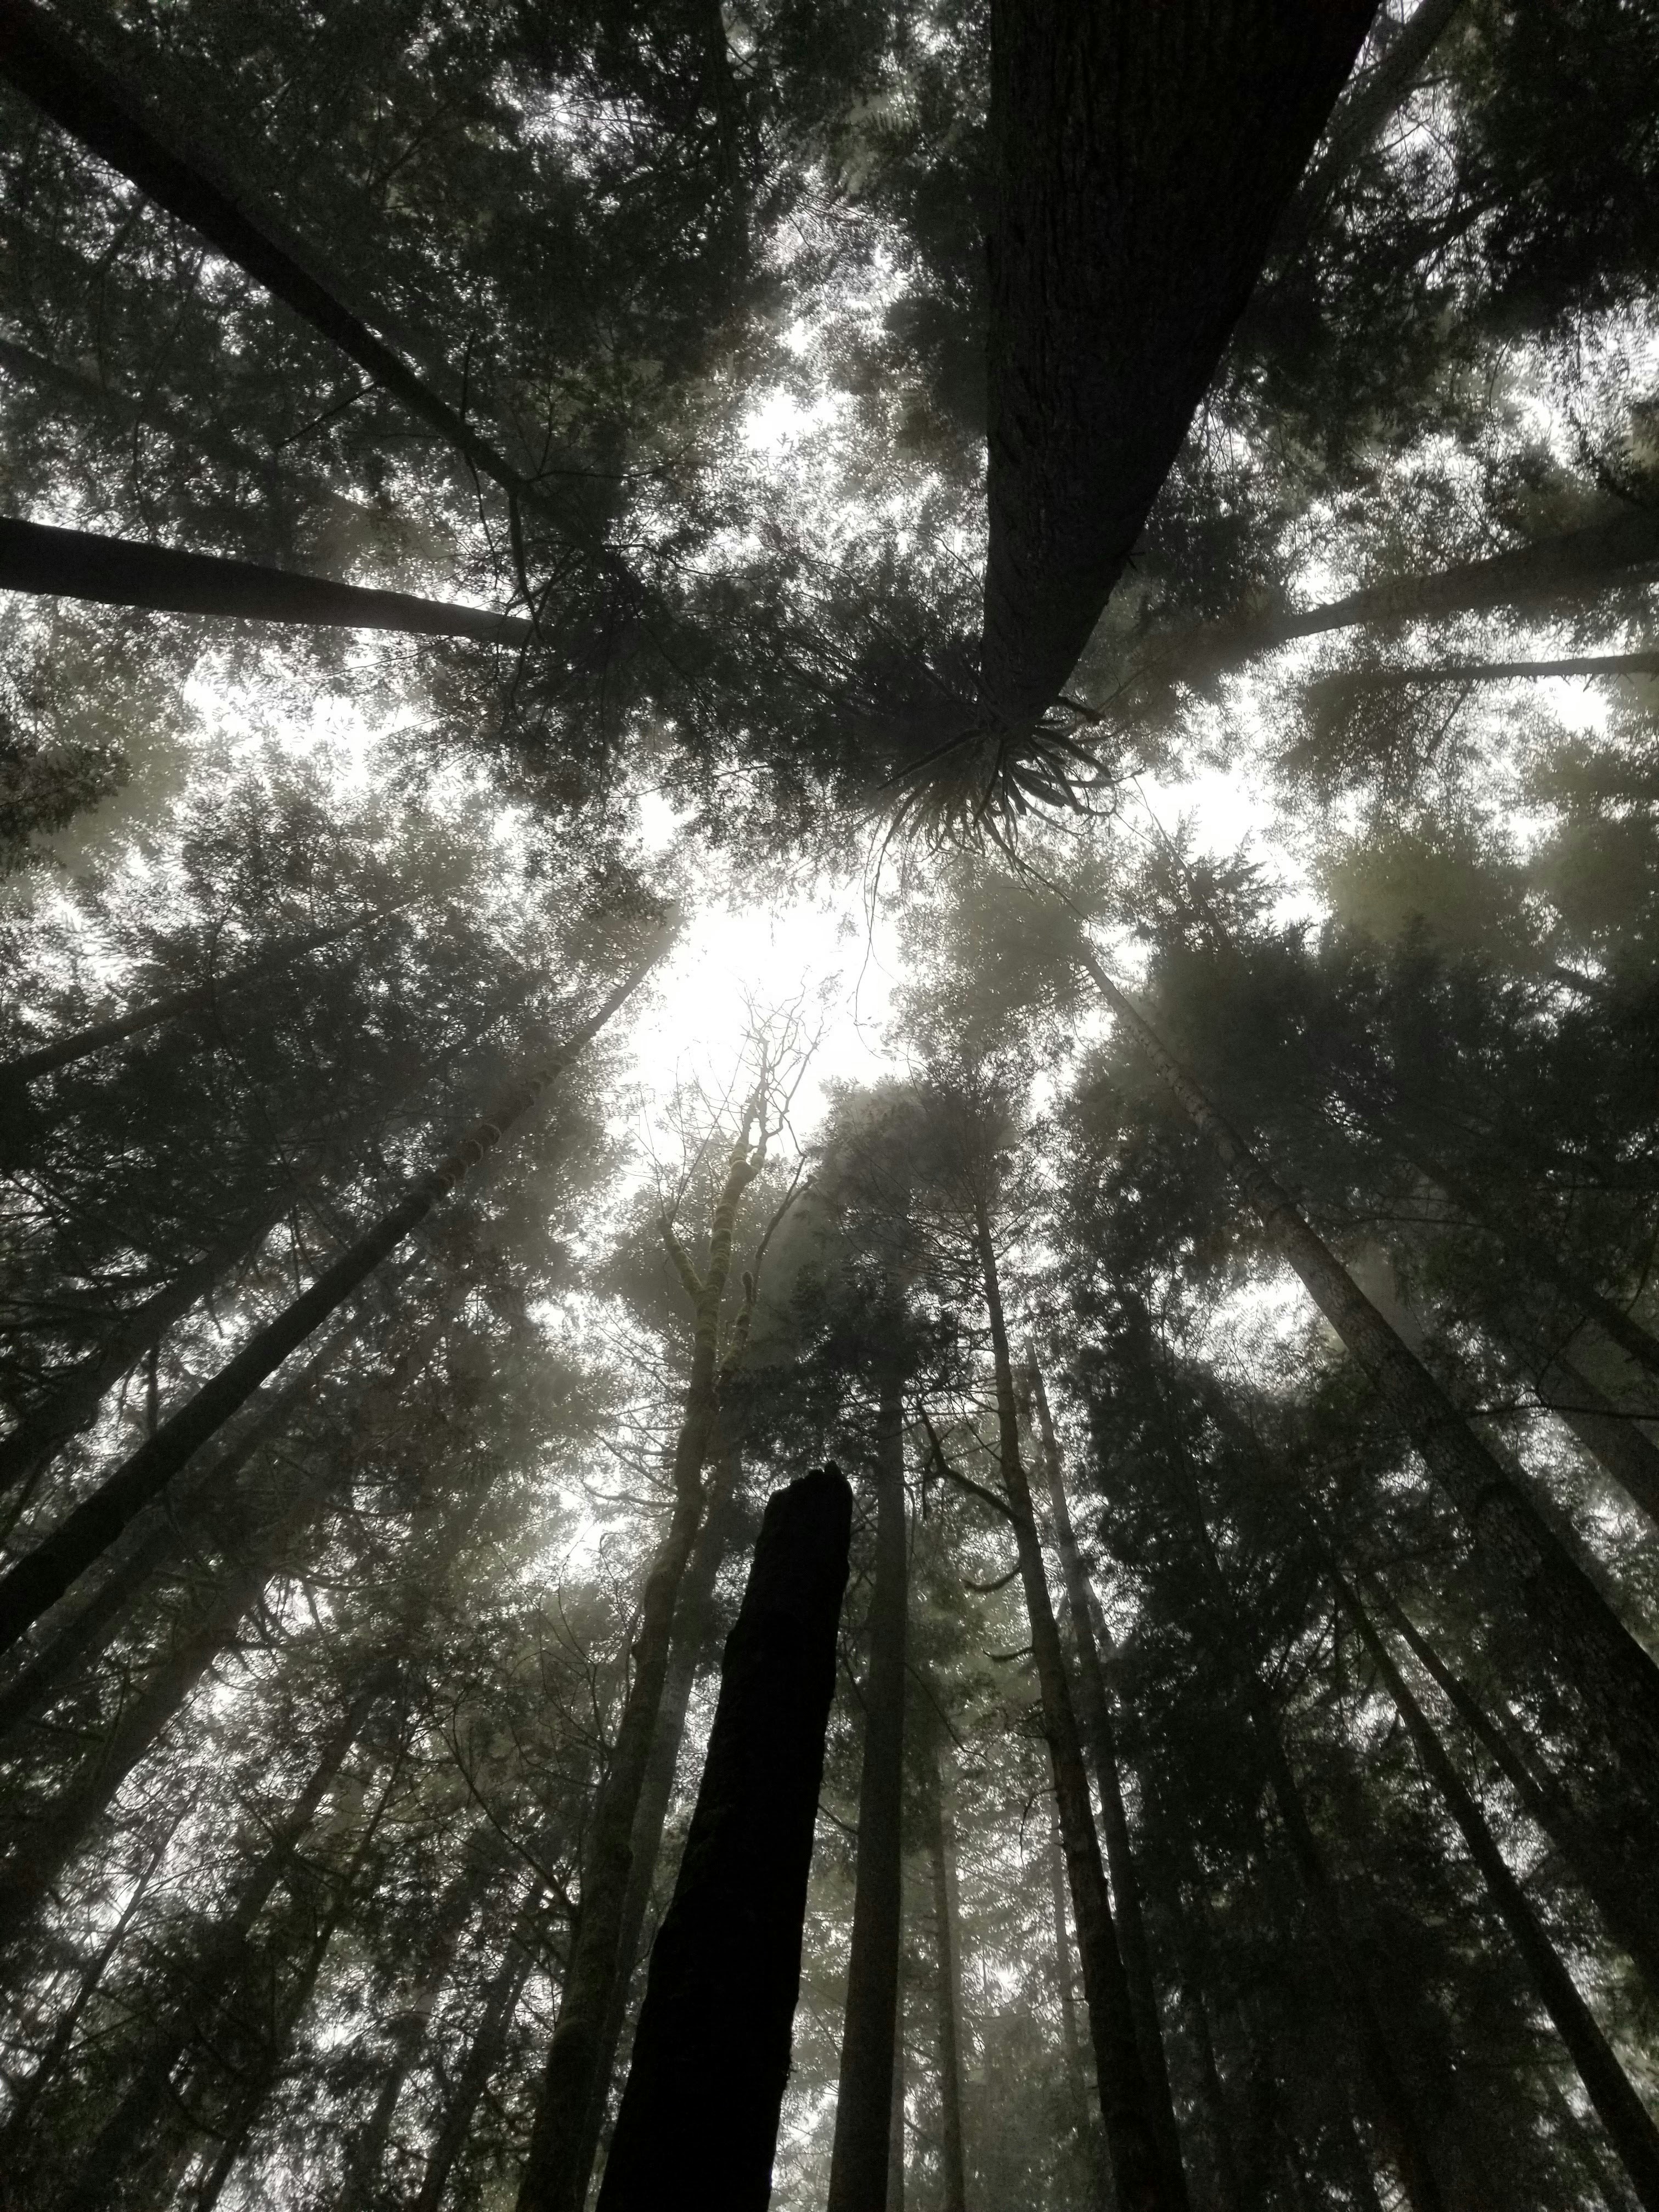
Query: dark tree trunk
pixel 92 2186
pixel 1630 1910
pixel 711 2052
pixel 1489 671
pixel 947 1977
pixel 1633 2134
pixel 1126 2101
pixel 1095 1711
pixel 1142 158
pixel 42 1575
pixel 692 1624
pixel 80 1044
pixel 85 100
pixel 1549 1629
pixel 124 572
pixel 859 2156
pixel 483 2055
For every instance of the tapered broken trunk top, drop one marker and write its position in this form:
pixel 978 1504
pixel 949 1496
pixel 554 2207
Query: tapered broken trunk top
pixel 1143 156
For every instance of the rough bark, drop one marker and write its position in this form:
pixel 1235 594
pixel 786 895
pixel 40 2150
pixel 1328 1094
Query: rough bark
pixel 483 2055
pixel 572 2091
pixel 859 2156
pixel 42 1575
pixel 1632 2133
pixel 947 1981
pixel 1548 1628
pixel 711 2053
pixel 93 2185
pixel 125 572
pixel 1142 158
pixel 1100 1738
pixel 692 1622
pixel 1126 2101
pixel 1630 1910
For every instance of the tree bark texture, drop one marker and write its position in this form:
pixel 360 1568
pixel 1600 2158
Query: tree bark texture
pixel 947 1977
pixel 1142 158
pixel 1632 2133
pixel 859 2156
pixel 124 572
pixel 711 2053
pixel 692 1622
pixel 573 2089
pixel 42 1575
pixel 483 2055
pixel 1126 2101
pixel 1100 1737
pixel 91 2188
pixel 1548 1628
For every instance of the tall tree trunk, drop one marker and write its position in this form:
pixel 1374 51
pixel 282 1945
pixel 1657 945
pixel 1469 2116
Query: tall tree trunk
pixel 1645 663
pixel 711 2053
pixel 1088 2127
pixel 1095 1711
pixel 947 1980
pixel 27 2094
pixel 572 2091
pixel 859 2156
pixel 1126 2099
pixel 1630 1910
pixel 1632 2132
pixel 87 101
pixel 692 1622
pixel 1609 1435
pixel 1142 157
pixel 81 1044
pixel 92 2186
pixel 1547 1624
pixel 125 572
pixel 896 2116
pixel 483 2055
pixel 42 1575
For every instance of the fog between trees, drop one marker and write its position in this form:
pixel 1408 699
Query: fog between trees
pixel 909 740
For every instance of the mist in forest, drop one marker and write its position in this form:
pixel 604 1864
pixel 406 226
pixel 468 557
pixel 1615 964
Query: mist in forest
pixel 828 1184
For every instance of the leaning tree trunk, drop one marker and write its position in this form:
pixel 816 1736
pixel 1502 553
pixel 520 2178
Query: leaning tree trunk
pixel 711 2052
pixel 1554 1634
pixel 483 2056
pixel 1631 2132
pixel 1141 158
pixel 1630 1910
pixel 93 2185
pixel 571 2090
pixel 42 1575
pixel 1089 2140
pixel 1609 1435
pixel 1095 1711
pixel 692 1623
pixel 125 572
pixel 1126 2101
pixel 947 1978
pixel 864 2105
pixel 1607 664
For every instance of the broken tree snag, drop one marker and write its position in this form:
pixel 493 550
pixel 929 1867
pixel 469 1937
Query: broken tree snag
pixel 1141 158
pixel 124 572
pixel 711 2053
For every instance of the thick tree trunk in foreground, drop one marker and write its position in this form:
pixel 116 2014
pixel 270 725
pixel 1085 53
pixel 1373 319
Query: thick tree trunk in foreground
pixel 1549 1628
pixel 692 1622
pixel 858 2157
pixel 125 572
pixel 81 1044
pixel 85 100
pixel 947 1977
pixel 1095 1711
pixel 1622 2113
pixel 711 2053
pixel 1142 158
pixel 573 2091
pixel 1126 2099
pixel 483 2055
pixel 42 1575
pixel 94 2184
pixel 1630 1910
